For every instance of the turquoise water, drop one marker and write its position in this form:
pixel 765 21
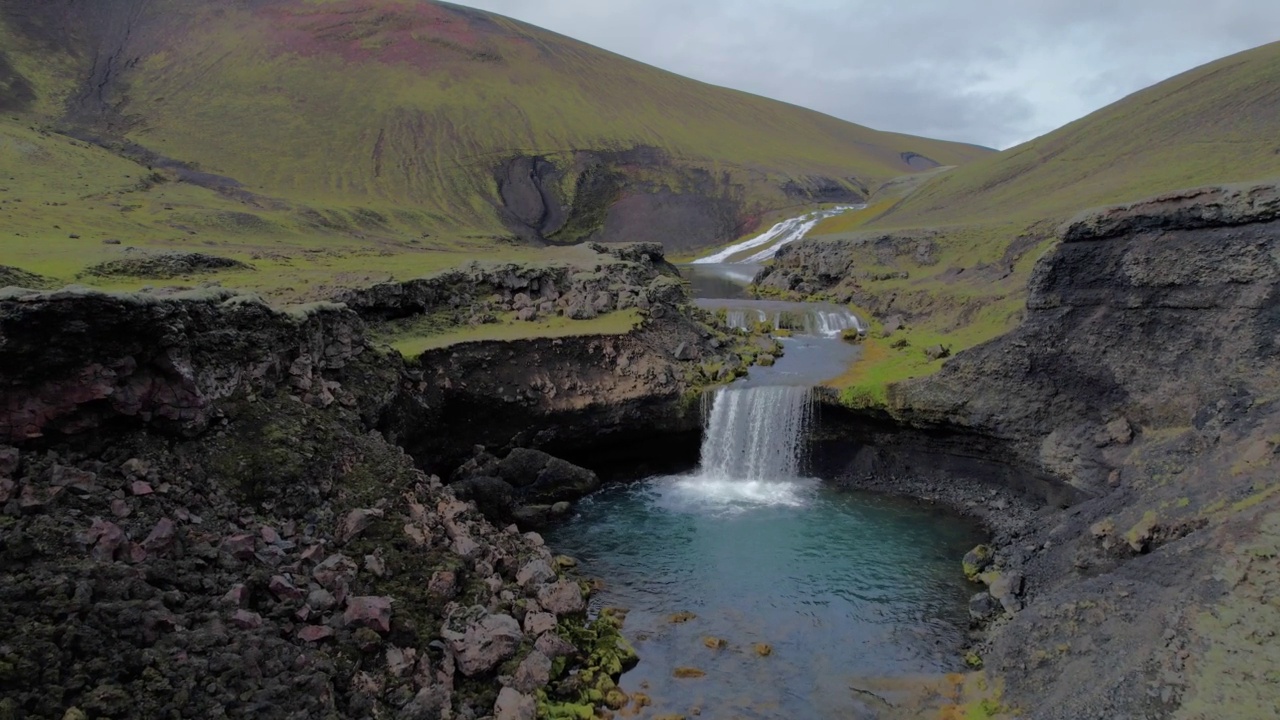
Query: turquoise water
pixel 840 585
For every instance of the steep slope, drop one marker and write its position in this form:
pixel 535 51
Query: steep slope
pixel 1217 123
pixel 395 119
pixel 951 260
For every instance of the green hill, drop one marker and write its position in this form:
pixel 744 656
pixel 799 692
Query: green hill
pixel 985 224
pixel 1216 123
pixel 372 129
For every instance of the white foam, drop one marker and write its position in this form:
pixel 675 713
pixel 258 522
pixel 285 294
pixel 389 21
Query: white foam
pixel 701 493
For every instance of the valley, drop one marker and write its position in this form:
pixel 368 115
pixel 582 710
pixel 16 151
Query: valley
pixel 391 358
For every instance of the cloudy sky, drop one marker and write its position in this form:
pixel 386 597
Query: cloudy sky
pixel 992 72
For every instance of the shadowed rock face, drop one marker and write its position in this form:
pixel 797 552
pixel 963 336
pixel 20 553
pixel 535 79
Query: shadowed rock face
pixel 200 478
pixel 1141 387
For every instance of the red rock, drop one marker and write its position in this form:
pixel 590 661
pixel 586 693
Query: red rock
pixel 240 546
pixel 356 522
pixel 106 537
pixel 303 613
pixel 269 535
pixel 80 481
pixel 34 498
pixel 314 633
pixel 161 538
pixel 336 571
pixel 312 553
pixel 140 488
pixel 283 589
pixel 7 487
pixel 238 595
pixel 370 612
pixel 443 584
pixel 137 553
pixel 246 620
pixel 120 508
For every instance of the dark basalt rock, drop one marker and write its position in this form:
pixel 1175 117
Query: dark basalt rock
pixel 1138 392
pixel 162 266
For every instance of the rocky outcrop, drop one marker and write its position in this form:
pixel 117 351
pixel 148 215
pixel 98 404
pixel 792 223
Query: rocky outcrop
pixel 1142 386
pixel 605 278
pixel 198 515
pixel 164 362
pixel 591 399
pixel 275 566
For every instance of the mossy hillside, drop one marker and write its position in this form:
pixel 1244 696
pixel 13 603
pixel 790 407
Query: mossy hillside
pixel 995 217
pixel 380 125
pixel 1214 124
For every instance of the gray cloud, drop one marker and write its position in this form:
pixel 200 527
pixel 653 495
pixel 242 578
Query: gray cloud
pixel 993 72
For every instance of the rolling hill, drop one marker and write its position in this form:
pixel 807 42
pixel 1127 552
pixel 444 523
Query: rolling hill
pixel 386 129
pixel 1217 123
pixel 967 239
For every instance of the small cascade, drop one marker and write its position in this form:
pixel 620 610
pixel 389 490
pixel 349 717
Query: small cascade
pixel 756 434
pixel 737 319
pixel 828 321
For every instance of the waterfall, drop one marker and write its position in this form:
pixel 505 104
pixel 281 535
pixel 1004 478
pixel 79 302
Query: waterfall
pixel 824 321
pixel 756 434
pixel 783 233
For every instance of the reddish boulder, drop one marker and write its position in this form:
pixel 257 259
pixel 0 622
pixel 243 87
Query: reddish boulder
pixel 356 522
pixel 315 633
pixel 284 589
pixel 161 538
pixel 240 546
pixel 370 612
pixel 246 620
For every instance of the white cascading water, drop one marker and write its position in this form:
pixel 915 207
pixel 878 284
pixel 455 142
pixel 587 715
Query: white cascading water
pixel 752 451
pixel 783 233
pixel 829 323
pixel 756 433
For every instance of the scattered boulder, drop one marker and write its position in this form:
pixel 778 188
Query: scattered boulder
pixel 246 620
pixel 937 352
pixel 514 705
pixel 535 624
pixel 554 646
pixel 534 672
pixel 977 560
pixel 535 572
pixel 356 522
pixel 562 598
pixel 315 633
pixel 493 496
pixel 479 640
pixel 161 538
pixel 161 266
pixel 370 612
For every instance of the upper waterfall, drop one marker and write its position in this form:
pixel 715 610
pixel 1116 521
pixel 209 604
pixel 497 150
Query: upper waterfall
pixel 785 232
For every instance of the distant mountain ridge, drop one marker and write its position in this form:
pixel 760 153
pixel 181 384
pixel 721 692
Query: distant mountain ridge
pixel 408 118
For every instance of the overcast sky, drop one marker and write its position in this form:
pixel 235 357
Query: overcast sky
pixel 992 72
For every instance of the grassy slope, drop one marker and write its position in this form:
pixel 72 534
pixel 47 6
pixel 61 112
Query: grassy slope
pixel 1217 123
pixel 370 131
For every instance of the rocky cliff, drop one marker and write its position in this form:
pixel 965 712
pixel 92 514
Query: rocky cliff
pixel 1142 386
pixel 200 517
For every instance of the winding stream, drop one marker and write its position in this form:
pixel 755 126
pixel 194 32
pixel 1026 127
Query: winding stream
pixel 754 590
